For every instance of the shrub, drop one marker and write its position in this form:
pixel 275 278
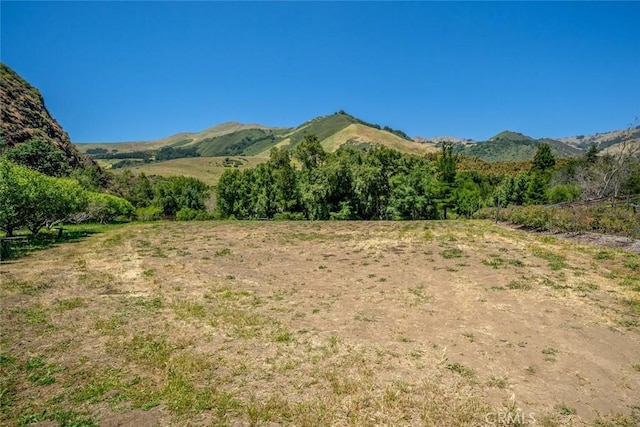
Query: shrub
pixel 599 218
pixel 150 213
pixel 564 193
pixel 186 214
pixel 105 207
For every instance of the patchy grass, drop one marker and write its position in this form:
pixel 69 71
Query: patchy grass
pixel 556 261
pixel 312 323
pixel 452 253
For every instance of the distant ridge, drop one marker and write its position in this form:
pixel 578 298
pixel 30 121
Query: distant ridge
pixel 237 139
pixel 342 129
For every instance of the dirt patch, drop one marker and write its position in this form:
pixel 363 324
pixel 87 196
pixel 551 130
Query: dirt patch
pixel 417 323
pixel 594 239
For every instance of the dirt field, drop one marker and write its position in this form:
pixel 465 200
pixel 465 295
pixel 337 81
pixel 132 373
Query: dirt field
pixel 321 323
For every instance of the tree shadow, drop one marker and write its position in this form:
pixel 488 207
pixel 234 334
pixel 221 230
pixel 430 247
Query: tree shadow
pixel 43 240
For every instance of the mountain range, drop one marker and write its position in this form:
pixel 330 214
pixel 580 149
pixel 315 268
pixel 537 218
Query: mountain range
pixel 24 116
pixel 236 139
pixel 342 129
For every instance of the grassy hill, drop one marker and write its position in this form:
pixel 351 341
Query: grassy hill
pixel 513 146
pixel 604 140
pixel 358 134
pixel 183 139
pixel 242 142
pixel 333 131
pixel 237 139
pixel 206 169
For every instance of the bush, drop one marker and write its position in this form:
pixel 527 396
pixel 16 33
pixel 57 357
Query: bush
pixel 105 207
pixel 150 213
pixel 600 218
pixel 564 193
pixel 39 155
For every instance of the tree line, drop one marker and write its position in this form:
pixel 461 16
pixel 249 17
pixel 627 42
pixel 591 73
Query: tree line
pixel 380 183
pixel 39 189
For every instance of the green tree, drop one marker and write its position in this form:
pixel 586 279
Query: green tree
pixel 284 189
pixel 564 193
pixel 544 159
pixel 309 152
pixel 228 193
pixel 468 197
pixel 177 192
pixel 33 200
pixel 369 185
pixel 106 207
pixel 447 163
pixel 41 156
pixel 56 200
pixel 92 178
pixel 315 191
pixel 591 156
pixel 17 195
pixel 413 194
pixel 537 190
pixel 262 196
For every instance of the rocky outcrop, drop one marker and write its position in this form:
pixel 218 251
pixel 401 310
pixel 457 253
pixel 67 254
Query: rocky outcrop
pixel 23 116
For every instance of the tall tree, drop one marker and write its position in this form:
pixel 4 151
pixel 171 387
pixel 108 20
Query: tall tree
pixel 544 159
pixel 447 163
pixel 309 152
pixel 285 195
pixel 228 193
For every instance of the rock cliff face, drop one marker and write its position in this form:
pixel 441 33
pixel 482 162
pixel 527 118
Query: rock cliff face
pixel 24 116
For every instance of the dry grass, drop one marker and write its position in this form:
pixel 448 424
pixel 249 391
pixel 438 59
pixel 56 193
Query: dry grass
pixel 206 169
pixel 361 133
pixel 340 323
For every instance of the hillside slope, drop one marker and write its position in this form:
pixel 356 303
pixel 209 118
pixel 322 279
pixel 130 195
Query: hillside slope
pixel 604 140
pixel 514 146
pixel 237 139
pixel 24 116
pixel 358 135
pixel 183 139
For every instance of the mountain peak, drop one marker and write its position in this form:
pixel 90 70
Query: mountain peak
pixel 508 135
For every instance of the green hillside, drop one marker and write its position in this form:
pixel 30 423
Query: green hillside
pixel 323 127
pixel 333 131
pixel 244 142
pixel 513 146
pixel 509 136
pixel 183 139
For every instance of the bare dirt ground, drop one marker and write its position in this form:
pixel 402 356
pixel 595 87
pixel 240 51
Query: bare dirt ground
pixel 596 239
pixel 326 323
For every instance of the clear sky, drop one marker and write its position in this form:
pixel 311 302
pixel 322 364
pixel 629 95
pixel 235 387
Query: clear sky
pixel 127 71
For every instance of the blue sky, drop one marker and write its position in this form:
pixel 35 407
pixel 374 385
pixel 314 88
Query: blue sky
pixel 126 71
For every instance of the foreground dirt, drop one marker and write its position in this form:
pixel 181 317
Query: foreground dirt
pixel 336 323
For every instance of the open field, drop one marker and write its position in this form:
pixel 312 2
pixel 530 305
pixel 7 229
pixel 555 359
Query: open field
pixel 321 323
pixel 206 169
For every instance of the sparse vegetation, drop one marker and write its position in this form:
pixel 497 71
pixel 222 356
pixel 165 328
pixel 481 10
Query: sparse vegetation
pixel 270 309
